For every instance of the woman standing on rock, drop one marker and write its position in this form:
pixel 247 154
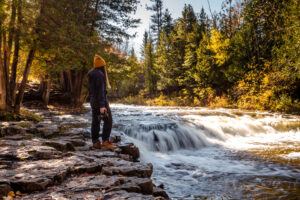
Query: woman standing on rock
pixel 98 81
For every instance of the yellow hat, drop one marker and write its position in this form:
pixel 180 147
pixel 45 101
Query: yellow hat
pixel 99 61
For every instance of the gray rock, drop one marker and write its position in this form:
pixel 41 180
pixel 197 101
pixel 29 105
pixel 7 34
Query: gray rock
pixel 65 166
pixel 138 185
pixel 4 189
pixel 16 137
pixel 122 195
pixel 113 166
pixel 30 184
pixel 63 145
pixel 11 130
pixel 159 192
pixel 131 150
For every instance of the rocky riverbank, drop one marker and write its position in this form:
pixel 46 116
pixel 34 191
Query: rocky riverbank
pixel 53 159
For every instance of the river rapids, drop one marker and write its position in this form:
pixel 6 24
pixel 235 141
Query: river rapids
pixel 201 153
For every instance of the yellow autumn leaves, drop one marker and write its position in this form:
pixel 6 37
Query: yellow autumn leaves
pixel 219 46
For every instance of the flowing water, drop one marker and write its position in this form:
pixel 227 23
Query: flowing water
pixel 201 153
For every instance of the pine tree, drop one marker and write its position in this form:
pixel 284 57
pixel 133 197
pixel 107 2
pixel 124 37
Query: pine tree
pixel 150 72
pixel 162 63
pixel 156 18
pixel 178 38
pixel 167 22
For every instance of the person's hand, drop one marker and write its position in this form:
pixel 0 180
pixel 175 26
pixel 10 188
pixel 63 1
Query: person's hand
pixel 102 110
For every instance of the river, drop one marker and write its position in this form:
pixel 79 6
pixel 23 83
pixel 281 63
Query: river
pixel 201 153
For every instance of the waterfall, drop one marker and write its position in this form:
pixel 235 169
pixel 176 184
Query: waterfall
pixel 217 153
pixel 167 137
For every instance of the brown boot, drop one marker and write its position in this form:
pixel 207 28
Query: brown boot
pixel 97 145
pixel 107 145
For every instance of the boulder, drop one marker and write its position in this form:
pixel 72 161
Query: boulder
pixel 159 192
pixel 138 185
pixel 130 149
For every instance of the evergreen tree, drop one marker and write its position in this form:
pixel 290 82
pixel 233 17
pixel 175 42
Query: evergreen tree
pixel 162 63
pixel 143 48
pixel 167 22
pixel 178 38
pixel 156 18
pixel 150 72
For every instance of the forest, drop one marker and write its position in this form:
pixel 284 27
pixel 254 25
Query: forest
pixel 246 56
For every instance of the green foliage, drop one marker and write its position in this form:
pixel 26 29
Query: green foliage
pixel 249 59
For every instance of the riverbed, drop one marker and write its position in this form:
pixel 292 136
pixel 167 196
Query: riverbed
pixel 201 153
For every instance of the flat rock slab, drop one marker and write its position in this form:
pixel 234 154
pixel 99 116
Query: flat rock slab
pixel 113 166
pixel 99 186
pixel 28 152
pixel 53 159
pixel 12 130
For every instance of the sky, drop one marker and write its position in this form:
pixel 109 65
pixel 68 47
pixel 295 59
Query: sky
pixel 175 7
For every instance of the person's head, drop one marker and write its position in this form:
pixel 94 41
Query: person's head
pixel 100 64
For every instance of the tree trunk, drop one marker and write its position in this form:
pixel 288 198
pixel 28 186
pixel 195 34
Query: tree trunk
pixel 11 34
pixel 13 76
pixel 46 96
pixel 44 89
pixel 2 80
pixel 2 90
pixel 25 78
pixel 5 71
pixel 62 80
pixel 74 83
pixel 77 89
pixel 29 61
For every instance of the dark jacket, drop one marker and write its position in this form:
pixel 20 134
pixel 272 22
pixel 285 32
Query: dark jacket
pixel 97 88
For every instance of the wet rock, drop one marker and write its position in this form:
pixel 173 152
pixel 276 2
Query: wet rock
pixel 138 185
pixel 159 192
pixel 131 150
pixel 116 139
pixel 122 195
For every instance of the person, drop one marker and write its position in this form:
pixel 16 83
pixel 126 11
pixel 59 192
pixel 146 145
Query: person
pixel 97 84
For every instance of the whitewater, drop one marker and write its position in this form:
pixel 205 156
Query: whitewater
pixel 201 153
